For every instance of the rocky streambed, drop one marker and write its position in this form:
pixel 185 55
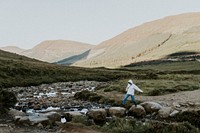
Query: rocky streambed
pixel 48 106
pixel 56 96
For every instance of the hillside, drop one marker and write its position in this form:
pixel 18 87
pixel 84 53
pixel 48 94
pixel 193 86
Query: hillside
pixel 149 41
pixel 55 50
pixel 51 50
pixel 12 49
pixel 17 70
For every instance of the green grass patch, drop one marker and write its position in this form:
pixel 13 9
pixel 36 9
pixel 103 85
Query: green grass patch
pixel 165 84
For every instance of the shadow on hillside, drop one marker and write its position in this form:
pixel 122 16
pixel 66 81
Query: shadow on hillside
pixel 174 57
pixel 73 59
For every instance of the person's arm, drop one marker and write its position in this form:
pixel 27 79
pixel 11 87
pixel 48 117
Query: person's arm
pixel 137 88
pixel 127 87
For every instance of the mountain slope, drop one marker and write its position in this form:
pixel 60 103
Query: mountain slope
pixel 12 49
pixel 152 40
pixel 55 50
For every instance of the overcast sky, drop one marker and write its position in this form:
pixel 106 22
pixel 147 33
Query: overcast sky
pixel 25 23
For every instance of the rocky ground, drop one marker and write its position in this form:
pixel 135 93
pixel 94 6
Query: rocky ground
pixel 38 100
pixel 41 108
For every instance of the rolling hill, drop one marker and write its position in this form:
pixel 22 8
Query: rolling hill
pixel 12 49
pixel 55 50
pixel 52 50
pixel 149 41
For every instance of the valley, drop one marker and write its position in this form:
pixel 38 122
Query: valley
pixel 66 86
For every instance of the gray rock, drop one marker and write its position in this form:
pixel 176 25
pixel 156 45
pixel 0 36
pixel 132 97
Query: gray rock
pixel 40 125
pixel 74 113
pixel 138 112
pixel 176 105
pixel 151 107
pixel 174 113
pixel 98 115
pixel 43 120
pixel 52 116
pixel 84 111
pixel 197 104
pixel 165 112
pixel 117 111
pixel 191 103
pixel 22 120
pixel 14 113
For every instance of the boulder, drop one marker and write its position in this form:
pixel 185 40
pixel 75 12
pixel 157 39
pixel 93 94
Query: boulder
pixel 151 107
pixel 73 113
pixel 138 112
pixel 98 115
pixel 22 120
pixel 40 125
pixel 117 111
pixel 14 113
pixel 177 105
pixel 52 116
pixel 174 113
pixel 164 112
pixel 43 120
pixel 84 111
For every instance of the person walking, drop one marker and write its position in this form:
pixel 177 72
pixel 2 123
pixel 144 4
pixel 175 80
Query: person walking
pixel 130 89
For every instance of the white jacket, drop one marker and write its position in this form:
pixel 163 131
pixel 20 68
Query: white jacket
pixel 131 88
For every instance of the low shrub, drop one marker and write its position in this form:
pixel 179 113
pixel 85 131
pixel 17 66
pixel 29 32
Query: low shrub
pixel 94 97
pixel 7 100
pixel 80 119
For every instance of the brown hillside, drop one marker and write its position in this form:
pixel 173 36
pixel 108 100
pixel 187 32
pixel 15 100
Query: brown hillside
pixel 12 49
pixel 55 50
pixel 152 40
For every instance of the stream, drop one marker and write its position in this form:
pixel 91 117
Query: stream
pixel 55 97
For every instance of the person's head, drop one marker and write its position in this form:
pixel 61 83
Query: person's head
pixel 130 82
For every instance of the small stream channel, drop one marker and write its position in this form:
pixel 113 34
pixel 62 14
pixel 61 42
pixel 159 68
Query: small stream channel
pixel 55 97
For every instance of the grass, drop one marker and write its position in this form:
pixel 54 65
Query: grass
pixel 159 79
pixel 154 79
pixel 17 70
pixel 122 125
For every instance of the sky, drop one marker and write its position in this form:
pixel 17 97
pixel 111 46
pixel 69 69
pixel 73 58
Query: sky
pixel 26 23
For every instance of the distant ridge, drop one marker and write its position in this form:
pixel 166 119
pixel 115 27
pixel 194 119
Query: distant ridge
pixel 12 49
